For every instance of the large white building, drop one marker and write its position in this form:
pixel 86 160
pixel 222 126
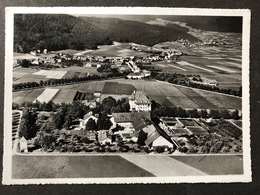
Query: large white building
pixel 139 102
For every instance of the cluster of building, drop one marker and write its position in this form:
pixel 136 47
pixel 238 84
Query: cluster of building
pixel 130 125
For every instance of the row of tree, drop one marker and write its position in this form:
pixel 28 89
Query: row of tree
pixel 209 143
pixel 188 80
pixel 63 81
pixel 160 111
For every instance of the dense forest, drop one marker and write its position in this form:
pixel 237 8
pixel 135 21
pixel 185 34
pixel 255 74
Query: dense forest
pixel 207 23
pixel 57 32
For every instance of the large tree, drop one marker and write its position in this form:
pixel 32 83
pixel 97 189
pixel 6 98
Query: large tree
pixel 91 124
pixel 141 138
pixel 28 127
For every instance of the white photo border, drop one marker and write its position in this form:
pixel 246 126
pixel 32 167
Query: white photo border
pixel 9 28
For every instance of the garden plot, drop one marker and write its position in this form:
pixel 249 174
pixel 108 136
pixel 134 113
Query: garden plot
pixel 51 74
pixel 46 95
pixel 197 130
pixel 188 122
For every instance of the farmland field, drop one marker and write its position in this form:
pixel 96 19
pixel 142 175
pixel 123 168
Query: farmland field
pixel 64 96
pixel 164 93
pixel 26 96
pixel 209 62
pixel 47 95
pixel 215 165
pixel 118 89
pixel 51 74
pixel 23 75
pixel 81 70
pixel 74 167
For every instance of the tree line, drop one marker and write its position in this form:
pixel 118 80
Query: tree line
pixel 58 32
pixel 64 81
pixel 182 79
pixel 174 111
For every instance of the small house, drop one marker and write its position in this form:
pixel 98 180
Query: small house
pixel 23 145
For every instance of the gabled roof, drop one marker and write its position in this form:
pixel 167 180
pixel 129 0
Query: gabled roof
pixel 154 132
pixel 140 123
pixel 139 97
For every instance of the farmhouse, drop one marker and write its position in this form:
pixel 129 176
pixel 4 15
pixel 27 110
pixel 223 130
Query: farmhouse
pixel 139 102
pixel 155 136
pixel 126 119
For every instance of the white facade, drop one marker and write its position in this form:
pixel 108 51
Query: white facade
pixel 139 102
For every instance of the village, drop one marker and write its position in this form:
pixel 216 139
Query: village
pixel 131 129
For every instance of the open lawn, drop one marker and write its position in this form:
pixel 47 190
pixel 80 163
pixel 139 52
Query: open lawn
pixel 74 167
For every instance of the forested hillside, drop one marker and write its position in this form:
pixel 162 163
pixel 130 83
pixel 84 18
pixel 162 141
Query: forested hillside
pixel 56 32
pixel 207 23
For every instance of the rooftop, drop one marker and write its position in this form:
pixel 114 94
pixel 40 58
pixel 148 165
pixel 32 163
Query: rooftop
pixel 139 97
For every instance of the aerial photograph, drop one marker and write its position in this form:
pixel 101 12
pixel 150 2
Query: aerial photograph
pixel 126 96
